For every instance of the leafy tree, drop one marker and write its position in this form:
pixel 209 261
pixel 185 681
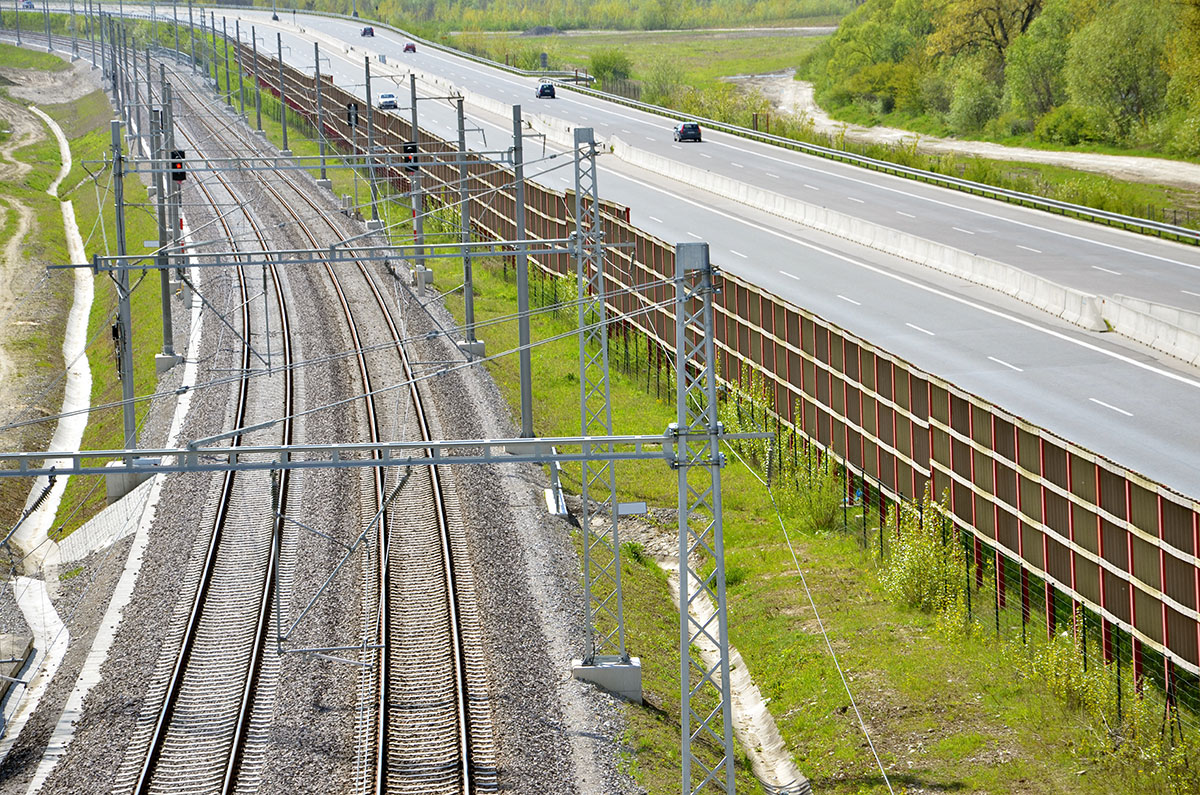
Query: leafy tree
pixel 1034 77
pixel 976 98
pixel 1183 59
pixel 1115 63
pixel 991 25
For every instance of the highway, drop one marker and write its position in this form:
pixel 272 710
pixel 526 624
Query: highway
pixel 1104 393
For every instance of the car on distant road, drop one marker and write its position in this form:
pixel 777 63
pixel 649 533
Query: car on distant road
pixel 368 32
pixel 545 91
pixel 387 101
pixel 28 5
pixel 410 47
pixel 687 131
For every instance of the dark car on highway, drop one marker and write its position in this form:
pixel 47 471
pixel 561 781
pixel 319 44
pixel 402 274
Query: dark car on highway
pixel 410 47
pixel 368 32
pixel 545 91
pixel 687 131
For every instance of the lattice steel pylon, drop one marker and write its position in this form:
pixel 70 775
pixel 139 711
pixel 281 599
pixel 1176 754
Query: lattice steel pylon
pixel 703 622
pixel 605 641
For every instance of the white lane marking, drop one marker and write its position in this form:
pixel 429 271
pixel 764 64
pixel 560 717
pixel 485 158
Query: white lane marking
pixel 737 165
pixel 704 155
pixel 790 275
pixel 987 310
pixel 1106 270
pixel 958 299
pixel 676 146
pixel 693 234
pixel 627 132
pixel 906 215
pixel 811 187
pixel 772 176
pixel 964 231
pixel 738 254
pixel 1110 406
pixel 1189 292
pixel 655 220
pixel 860 201
pixel 1027 248
pixel 1006 364
pixel 922 330
pixel 851 300
pixel 651 138
pixel 955 206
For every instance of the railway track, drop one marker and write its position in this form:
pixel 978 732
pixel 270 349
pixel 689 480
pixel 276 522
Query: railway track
pixel 417 731
pixel 196 736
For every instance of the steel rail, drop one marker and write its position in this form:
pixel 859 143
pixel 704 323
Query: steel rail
pixel 166 712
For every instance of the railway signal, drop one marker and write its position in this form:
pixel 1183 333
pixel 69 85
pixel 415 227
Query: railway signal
pixel 409 158
pixel 178 174
pixel 352 114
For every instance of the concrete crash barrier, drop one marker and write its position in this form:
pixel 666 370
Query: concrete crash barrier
pixel 1074 306
pixel 1165 328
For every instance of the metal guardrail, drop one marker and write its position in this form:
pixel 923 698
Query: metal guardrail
pixel 1127 222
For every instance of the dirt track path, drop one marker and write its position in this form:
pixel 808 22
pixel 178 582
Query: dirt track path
pixel 14 276
pixel 795 97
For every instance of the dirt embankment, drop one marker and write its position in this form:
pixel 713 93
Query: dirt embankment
pixel 795 97
pixel 33 307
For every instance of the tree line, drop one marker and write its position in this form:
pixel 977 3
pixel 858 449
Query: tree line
pixel 1114 72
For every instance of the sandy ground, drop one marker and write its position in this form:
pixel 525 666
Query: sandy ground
pixel 39 87
pixel 789 95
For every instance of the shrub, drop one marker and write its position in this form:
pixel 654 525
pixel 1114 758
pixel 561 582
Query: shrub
pixel 1068 125
pixel 925 569
pixel 611 63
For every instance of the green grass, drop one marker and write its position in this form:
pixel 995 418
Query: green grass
pixel 945 713
pixel 22 58
pixel 89 119
pixel 701 56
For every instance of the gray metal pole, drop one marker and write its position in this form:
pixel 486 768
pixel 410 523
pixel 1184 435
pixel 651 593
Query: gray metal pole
pixel 46 16
pixel 91 29
pixel 465 220
pixel 257 87
pixel 98 17
pixel 604 619
pixel 237 32
pixel 153 23
pixel 192 34
pixel 124 315
pixel 418 197
pixel 522 267
pixel 74 37
pixel 283 94
pixel 225 47
pixel 175 194
pixel 212 27
pixel 371 142
pixel 149 85
pixel 698 463
pixel 160 182
pixel 17 14
pixel 131 76
pixel 320 113
pixel 175 24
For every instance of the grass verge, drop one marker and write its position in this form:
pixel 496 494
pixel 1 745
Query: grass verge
pixel 946 712
pixel 88 120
